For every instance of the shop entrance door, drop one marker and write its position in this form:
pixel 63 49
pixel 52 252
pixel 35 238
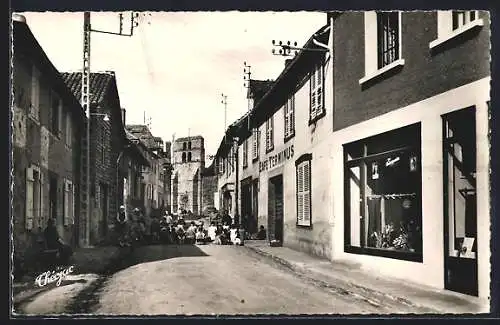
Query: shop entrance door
pixel 460 216
pixel 275 208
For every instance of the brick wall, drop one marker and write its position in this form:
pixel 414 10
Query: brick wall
pixel 423 75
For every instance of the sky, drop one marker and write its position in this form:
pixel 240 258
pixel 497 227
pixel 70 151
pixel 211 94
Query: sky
pixel 176 66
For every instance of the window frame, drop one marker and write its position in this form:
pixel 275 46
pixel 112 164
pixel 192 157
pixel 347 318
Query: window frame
pixel 316 111
pixel 304 161
pixel 384 31
pixel 255 144
pixel 361 162
pixel 34 107
pixel 33 217
pixel 372 71
pixel 69 202
pixel 445 31
pixel 245 153
pixel 68 130
pixel 289 118
pixel 270 134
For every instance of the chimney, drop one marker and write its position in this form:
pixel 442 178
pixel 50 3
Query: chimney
pixel 19 18
pixel 287 62
pixel 123 116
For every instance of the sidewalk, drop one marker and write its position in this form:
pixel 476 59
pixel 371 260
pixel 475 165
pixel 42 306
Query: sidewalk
pixel 342 274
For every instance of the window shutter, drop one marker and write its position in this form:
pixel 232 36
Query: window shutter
pixel 300 196
pixel 41 211
pixel 72 205
pixel 307 193
pixel 292 114
pixel 287 120
pixel 29 199
pixel 60 117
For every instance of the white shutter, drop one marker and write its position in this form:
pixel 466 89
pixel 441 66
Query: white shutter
pixel 307 193
pixel 29 199
pixel 300 197
pixel 291 112
pixel 287 120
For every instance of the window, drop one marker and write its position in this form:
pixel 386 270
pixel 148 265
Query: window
pixel 383 43
pixel 303 191
pixel 462 17
pixel 383 213
pixel 245 153
pixel 69 130
pixel 452 24
pixel 34 195
pixel 189 145
pixel 221 166
pixel 35 94
pixel 56 113
pixel 189 156
pixel 184 145
pixel 255 144
pixel 387 38
pixel 270 134
pixel 316 83
pixel 289 112
pixel 183 157
pixel 69 208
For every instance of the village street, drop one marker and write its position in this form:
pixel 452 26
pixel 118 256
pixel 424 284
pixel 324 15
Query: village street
pixel 210 280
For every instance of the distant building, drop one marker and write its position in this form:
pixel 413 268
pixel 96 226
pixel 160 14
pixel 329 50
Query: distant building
pixel 153 192
pixel 209 188
pixel 188 163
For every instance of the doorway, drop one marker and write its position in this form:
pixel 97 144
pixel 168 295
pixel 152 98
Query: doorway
pixel 275 209
pixel 460 214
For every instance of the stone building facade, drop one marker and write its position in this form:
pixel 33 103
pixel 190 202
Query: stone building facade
pixel 188 162
pixel 47 123
pixel 107 142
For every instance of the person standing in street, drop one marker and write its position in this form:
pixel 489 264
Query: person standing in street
pixel 121 226
pixel 226 219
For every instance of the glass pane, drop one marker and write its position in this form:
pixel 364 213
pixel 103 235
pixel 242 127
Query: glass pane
pixel 461 186
pixel 355 204
pixel 392 206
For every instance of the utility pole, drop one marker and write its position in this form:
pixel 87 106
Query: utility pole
pixel 247 73
pixel 85 102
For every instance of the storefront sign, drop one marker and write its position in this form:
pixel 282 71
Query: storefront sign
pixel 276 159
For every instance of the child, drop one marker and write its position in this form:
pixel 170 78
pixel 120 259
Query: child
pixel 191 233
pixel 212 231
pixel 200 236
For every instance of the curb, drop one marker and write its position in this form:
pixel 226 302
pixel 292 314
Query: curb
pixel 310 275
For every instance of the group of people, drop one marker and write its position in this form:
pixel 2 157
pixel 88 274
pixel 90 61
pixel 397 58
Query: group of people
pixel 170 230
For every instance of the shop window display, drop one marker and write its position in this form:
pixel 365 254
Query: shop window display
pixel 383 195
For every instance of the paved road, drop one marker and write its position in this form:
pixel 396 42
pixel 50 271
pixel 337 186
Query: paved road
pixel 213 280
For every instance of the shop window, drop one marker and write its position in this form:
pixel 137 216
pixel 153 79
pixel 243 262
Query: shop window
pixel 303 190
pixel 383 195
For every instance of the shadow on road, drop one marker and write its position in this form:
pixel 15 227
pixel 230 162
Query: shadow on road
pixel 152 253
